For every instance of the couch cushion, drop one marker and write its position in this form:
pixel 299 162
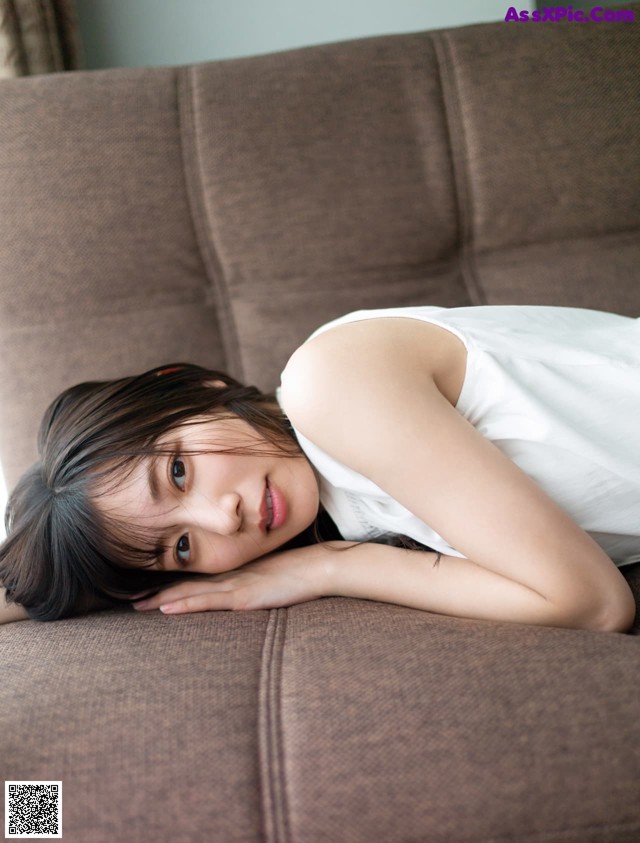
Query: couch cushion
pixel 336 719
pixel 542 120
pixel 150 725
pixel 325 186
pixel 402 725
pixel 100 269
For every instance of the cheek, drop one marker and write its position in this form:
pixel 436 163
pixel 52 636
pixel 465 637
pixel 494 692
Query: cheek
pixel 308 491
pixel 217 468
pixel 221 554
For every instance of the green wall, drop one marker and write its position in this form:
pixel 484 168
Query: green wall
pixel 137 33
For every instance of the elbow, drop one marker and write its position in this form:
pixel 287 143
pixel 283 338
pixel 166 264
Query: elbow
pixel 620 622
pixel 617 617
pixel 604 608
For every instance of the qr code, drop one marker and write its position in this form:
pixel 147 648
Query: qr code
pixel 32 810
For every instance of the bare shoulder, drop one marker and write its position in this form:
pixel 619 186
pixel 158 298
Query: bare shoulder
pixel 368 401
pixel 419 349
pixel 345 372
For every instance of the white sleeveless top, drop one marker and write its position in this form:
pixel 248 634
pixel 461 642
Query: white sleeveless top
pixel 557 389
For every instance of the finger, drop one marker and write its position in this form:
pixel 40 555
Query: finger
pixel 177 592
pixel 209 602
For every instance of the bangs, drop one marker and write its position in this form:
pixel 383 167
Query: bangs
pixel 63 555
pixel 116 560
pixel 129 546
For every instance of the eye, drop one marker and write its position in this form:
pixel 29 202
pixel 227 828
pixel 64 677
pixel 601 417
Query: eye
pixel 178 472
pixel 183 551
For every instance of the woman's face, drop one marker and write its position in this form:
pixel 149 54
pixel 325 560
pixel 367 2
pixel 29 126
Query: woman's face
pixel 216 511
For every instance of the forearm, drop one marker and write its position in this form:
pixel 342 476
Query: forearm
pixel 456 586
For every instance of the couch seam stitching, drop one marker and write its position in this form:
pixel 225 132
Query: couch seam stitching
pixel 462 185
pixel 622 234
pixel 192 173
pixel 275 817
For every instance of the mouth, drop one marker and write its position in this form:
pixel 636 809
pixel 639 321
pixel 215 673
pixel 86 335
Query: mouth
pixel 269 508
pixel 266 510
pixel 277 507
pixel 274 509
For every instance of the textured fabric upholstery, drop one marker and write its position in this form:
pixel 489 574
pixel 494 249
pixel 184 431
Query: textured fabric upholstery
pixel 219 213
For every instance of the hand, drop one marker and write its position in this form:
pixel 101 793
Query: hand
pixel 275 580
pixel 11 612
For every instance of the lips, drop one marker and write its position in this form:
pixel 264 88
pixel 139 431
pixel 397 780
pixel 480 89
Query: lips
pixel 269 508
pixel 279 507
pixel 265 514
pixel 273 509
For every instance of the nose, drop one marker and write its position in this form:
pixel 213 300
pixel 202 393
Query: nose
pixel 221 515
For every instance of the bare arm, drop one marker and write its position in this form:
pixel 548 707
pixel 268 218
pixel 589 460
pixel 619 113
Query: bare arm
pixel 455 587
pixel 406 437
pixel 372 572
pixel 14 612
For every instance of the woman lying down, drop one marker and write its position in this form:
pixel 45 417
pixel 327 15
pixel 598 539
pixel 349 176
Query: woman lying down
pixel 479 462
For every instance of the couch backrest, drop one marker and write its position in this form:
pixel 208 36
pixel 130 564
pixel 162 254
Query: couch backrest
pixel 220 212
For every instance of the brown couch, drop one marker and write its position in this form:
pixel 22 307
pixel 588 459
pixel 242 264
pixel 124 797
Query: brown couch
pixel 218 213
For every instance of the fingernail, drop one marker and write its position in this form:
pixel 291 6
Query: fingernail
pixel 141 605
pixel 168 607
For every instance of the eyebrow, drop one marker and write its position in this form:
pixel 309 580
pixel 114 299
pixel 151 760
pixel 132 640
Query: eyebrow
pixel 152 479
